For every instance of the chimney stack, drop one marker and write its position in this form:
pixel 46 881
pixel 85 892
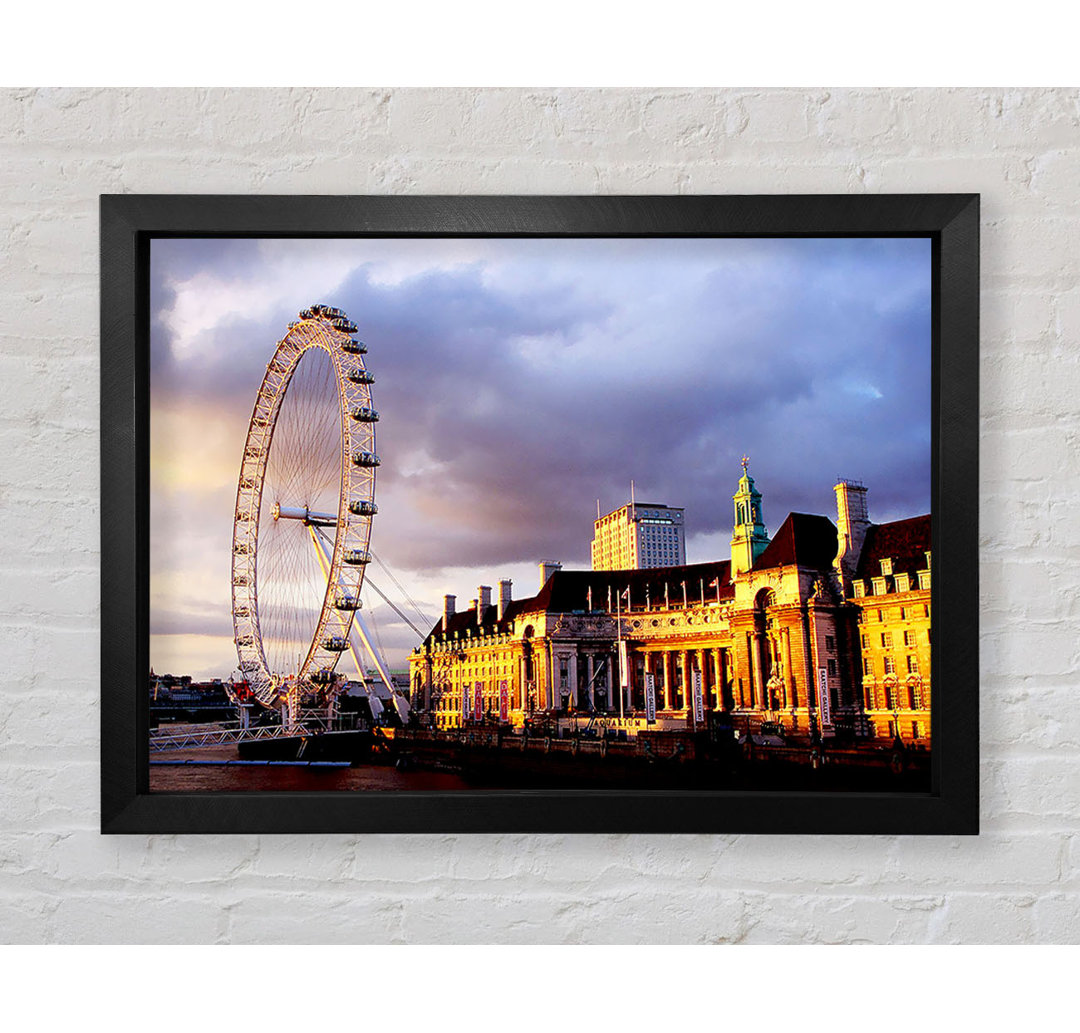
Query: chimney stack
pixel 852 523
pixel 484 601
pixel 448 602
pixel 504 597
pixel 547 568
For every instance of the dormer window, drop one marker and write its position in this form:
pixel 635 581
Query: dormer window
pixel 903 582
pixel 886 567
pixel 924 579
pixel 879 586
pixel 859 588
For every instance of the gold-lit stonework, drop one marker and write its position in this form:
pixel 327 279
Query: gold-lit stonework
pixel 822 629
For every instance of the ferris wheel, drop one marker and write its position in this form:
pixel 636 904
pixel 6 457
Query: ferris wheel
pixel 304 505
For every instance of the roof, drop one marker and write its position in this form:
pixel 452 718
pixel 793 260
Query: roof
pixel 905 542
pixel 804 540
pixel 567 591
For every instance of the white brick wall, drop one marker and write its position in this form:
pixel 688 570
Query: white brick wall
pixel 61 881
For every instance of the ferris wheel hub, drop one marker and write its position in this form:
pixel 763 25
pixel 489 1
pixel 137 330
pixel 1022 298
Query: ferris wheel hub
pixel 308 516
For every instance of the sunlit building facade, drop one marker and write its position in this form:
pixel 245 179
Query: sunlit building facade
pixel 820 629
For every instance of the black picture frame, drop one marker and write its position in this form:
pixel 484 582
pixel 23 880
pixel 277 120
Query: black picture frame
pixel 130 222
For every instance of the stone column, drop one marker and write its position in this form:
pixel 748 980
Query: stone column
pixel 571 675
pixel 758 687
pixel 687 689
pixel 590 664
pixel 545 697
pixel 789 673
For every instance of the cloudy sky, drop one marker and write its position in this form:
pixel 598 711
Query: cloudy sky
pixel 519 381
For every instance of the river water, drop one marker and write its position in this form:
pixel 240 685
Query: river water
pixel 286 779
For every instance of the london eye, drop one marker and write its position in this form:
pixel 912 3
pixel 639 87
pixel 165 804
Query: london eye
pixel 305 500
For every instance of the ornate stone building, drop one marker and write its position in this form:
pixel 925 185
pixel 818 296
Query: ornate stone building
pixel 822 629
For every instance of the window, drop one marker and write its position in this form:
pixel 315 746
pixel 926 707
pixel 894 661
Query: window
pixel 909 638
pixel 890 665
pixel 867 667
pixel 879 586
pixel 924 579
pixel 881 615
pixel 913 665
pixel 830 644
pixel 886 567
pixel 866 641
pixel 832 668
pixel 860 589
pixel 903 582
pixel 886 640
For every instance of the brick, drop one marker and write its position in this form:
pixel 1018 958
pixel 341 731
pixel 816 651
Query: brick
pixel 316 918
pixel 976 918
pixel 1056 918
pixel 160 918
pixel 830 918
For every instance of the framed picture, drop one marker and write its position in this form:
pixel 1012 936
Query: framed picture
pixel 671 524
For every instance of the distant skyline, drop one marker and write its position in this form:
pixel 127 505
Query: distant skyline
pixel 518 381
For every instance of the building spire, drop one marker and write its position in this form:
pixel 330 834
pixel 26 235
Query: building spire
pixel 750 536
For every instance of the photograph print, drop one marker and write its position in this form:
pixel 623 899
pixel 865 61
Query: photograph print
pixel 493 513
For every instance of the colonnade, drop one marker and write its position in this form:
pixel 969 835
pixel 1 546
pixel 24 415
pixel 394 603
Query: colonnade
pixel 754 672
pixel 591 678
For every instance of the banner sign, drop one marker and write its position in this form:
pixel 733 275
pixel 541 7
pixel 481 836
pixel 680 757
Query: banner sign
pixel 823 697
pixel 650 698
pixel 466 704
pixel 699 706
pixel 624 666
pixel 504 703
pixel 478 702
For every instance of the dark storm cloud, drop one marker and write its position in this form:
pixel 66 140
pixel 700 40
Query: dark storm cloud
pixel 815 362
pixel 828 378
